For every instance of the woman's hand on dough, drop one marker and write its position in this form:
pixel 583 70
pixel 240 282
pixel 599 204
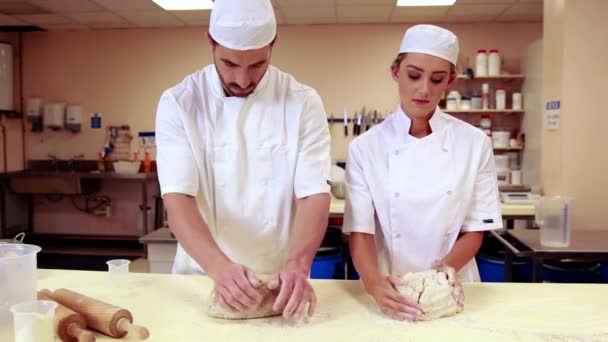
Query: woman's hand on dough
pixel 391 302
pixel 236 288
pixel 295 292
pixel 453 280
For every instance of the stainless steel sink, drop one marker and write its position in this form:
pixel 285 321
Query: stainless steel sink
pixel 44 182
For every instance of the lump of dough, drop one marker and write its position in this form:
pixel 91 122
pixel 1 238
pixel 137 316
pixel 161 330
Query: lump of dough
pixel 432 291
pixel 264 309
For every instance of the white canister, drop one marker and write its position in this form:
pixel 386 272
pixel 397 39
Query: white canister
pixel 500 139
pixel 6 77
pixel 503 176
pixel 494 63
pixel 501 99
pixel 54 115
pixel 465 103
pixel 501 161
pixel 517 101
pixel 451 104
pixel 476 102
pixel 481 63
pixel 516 177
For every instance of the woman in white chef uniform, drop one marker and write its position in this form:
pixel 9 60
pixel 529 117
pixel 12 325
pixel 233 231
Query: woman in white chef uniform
pixel 243 162
pixel 421 187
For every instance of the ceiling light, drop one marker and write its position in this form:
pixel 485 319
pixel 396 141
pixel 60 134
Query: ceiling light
pixel 183 5
pixel 424 2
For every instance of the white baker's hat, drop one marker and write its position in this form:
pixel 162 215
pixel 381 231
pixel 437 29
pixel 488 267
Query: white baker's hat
pixel 243 24
pixel 431 40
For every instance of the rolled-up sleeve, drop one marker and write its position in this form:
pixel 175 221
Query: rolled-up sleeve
pixel 484 211
pixel 177 170
pixel 359 209
pixel 312 171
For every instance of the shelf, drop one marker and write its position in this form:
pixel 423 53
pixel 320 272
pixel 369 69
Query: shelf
pixel 501 77
pixel 11 114
pixel 482 111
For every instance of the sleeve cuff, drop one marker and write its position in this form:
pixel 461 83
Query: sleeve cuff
pixel 177 190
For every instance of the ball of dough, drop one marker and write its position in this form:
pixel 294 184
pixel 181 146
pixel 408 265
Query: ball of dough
pixel 264 309
pixel 432 291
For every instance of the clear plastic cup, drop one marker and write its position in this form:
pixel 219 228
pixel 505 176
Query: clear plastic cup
pixel 118 270
pixel 33 321
pixel 17 280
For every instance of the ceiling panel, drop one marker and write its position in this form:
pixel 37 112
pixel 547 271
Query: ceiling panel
pixel 45 19
pixel 154 18
pixel 306 3
pixel 366 2
pixel 97 18
pixel 20 7
pixel 308 12
pixel 73 6
pixel 67 27
pixel 297 21
pixel 521 11
pixel 429 11
pixel 193 18
pixel 365 11
pixel 476 10
pixel 418 19
pixel 128 5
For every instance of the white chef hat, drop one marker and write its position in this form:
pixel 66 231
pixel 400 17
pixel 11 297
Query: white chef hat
pixel 431 40
pixel 242 24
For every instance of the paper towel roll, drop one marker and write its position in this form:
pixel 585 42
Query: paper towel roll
pixel 54 115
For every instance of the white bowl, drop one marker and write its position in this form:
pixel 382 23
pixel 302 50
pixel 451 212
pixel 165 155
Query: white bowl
pixel 127 167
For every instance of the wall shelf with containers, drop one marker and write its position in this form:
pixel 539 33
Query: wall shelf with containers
pixel 490 98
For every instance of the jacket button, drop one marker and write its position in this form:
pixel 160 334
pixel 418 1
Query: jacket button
pixel 396 153
pixel 445 149
pixel 397 236
pixel 396 194
pixel 449 192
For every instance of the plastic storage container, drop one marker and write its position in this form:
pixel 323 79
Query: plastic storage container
pixel 517 102
pixel 500 139
pixel 328 264
pixel 501 99
pixel 34 321
pixel 18 266
pixel 492 268
pixel 494 63
pixel 553 218
pixel 481 63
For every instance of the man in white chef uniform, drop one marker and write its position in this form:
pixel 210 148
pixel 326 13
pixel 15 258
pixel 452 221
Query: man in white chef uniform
pixel 243 162
pixel 421 187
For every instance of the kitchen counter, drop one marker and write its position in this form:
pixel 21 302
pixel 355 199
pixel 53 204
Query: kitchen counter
pixel 172 307
pixel 81 174
pixel 336 208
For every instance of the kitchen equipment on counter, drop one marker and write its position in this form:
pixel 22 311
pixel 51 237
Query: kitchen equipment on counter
pixel 17 239
pixel 503 176
pixel 103 317
pixel 69 325
pixel 513 197
pixel 118 271
pixel 515 177
pixel 6 77
pixel 33 111
pixel 18 277
pixel 553 217
pixel 34 321
pixel 127 166
pixel 500 139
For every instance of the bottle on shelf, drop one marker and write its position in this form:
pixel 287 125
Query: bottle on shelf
pixel 494 63
pixel 485 96
pixel 481 63
pixel 486 124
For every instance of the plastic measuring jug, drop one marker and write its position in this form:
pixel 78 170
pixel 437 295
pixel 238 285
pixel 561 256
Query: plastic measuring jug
pixel 34 321
pixel 553 217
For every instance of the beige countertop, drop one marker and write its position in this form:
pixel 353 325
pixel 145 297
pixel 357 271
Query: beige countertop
pixel 172 307
pixel 336 208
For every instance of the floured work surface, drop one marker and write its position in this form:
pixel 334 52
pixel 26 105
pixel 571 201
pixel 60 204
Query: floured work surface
pixel 173 307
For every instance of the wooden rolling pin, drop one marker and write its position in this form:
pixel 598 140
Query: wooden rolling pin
pixel 69 325
pixel 103 317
